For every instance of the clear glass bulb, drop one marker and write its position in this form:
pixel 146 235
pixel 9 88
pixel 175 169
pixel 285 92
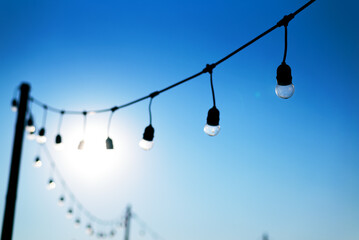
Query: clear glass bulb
pixel 77 222
pixel 59 146
pixel 51 185
pixel 31 136
pixel 211 130
pixel 284 92
pixel 145 145
pixel 14 108
pixel 37 163
pixel 81 145
pixel 61 201
pixel 69 214
pixel 41 139
pixel 30 129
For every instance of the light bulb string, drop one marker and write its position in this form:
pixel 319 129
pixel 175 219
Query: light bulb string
pixel 72 196
pixel 285 42
pixel 285 20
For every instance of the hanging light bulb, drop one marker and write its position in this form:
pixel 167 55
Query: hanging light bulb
pixel 14 105
pixel 81 145
pixel 30 127
pixel 69 213
pixel 61 201
pixel 212 127
pixel 284 88
pixel 31 136
pixel 146 142
pixel 41 138
pixel 89 230
pixel 77 222
pixel 109 143
pixel 51 185
pixel 37 162
pixel 58 140
pixel 112 233
pixel 58 143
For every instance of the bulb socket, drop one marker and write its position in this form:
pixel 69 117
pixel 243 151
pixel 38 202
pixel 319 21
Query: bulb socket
pixel 30 121
pixel 284 75
pixel 149 133
pixel 109 143
pixel 213 116
pixel 14 103
pixel 42 132
pixel 58 139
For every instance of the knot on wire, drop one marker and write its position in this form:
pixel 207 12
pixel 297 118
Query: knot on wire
pixel 285 20
pixel 154 94
pixel 209 68
pixel 114 109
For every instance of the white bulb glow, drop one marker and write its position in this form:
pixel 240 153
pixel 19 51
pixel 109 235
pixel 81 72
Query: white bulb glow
pixel 51 185
pixel 61 202
pixel 145 145
pixel 37 163
pixel 59 146
pixel 31 136
pixel 81 145
pixel 69 214
pixel 30 129
pixel 41 139
pixel 211 130
pixel 284 92
pixel 14 108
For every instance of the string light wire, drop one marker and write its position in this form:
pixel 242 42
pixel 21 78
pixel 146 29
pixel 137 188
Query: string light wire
pixel 283 22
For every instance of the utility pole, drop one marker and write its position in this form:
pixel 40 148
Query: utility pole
pixel 8 221
pixel 127 222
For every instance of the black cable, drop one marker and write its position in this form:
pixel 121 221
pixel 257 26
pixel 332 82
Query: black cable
pixel 150 111
pixel 214 99
pixel 283 21
pixel 285 42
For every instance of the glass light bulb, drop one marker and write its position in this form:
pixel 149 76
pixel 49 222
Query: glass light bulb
pixel 77 222
pixel 51 185
pixel 31 136
pixel 211 130
pixel 41 139
pixel 59 146
pixel 145 145
pixel 61 201
pixel 89 230
pixel 81 145
pixel 30 128
pixel 69 214
pixel 284 92
pixel 14 108
pixel 37 163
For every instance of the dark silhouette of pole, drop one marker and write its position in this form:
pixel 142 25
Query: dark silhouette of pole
pixel 8 221
pixel 127 223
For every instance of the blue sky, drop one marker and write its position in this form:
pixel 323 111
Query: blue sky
pixel 288 168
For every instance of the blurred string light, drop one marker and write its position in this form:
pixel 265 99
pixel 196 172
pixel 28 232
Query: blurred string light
pixel 81 145
pixel 41 137
pixel 284 89
pixel 75 210
pixel 58 139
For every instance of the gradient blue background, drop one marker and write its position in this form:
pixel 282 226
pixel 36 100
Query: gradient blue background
pixel 288 168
